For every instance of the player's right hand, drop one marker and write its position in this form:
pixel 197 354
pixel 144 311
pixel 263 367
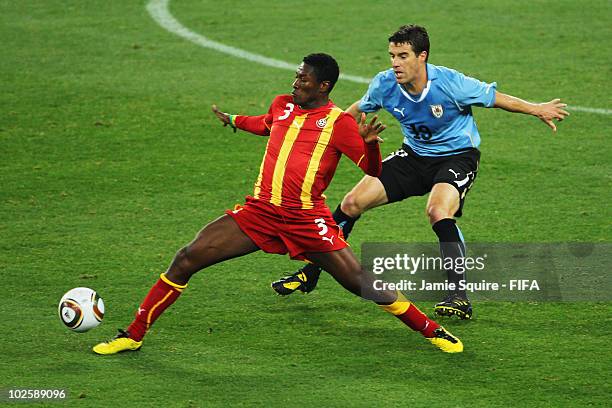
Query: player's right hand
pixel 370 131
pixel 553 110
pixel 223 117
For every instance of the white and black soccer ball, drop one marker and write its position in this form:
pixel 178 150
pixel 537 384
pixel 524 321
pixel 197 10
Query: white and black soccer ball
pixel 81 309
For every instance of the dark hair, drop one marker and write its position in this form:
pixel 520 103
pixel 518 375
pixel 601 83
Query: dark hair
pixel 325 68
pixel 414 35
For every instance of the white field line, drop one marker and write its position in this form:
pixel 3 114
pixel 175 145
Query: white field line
pixel 590 110
pixel 158 9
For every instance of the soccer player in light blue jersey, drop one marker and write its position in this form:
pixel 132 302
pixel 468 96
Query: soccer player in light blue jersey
pixel 439 155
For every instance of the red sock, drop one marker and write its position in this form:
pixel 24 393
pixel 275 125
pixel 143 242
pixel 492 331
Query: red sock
pixel 411 316
pixel 160 297
pixel 418 321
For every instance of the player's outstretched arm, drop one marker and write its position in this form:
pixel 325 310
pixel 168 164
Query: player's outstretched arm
pixel 547 112
pixel 259 125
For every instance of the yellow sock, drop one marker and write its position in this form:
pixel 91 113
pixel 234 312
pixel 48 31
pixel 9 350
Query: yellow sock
pixel 398 307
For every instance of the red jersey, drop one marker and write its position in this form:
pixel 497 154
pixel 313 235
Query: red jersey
pixel 303 151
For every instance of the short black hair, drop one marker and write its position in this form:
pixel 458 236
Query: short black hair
pixel 414 35
pixel 325 68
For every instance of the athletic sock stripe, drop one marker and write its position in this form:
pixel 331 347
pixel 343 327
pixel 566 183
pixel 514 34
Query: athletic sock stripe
pixel 155 307
pixel 169 282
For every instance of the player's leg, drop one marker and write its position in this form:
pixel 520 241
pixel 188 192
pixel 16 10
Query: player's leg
pixel 452 182
pixel 347 271
pixel 368 193
pixel 220 240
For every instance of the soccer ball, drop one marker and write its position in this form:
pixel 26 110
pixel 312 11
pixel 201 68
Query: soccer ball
pixel 81 309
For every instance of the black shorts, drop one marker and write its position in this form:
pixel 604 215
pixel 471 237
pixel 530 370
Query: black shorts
pixel 406 174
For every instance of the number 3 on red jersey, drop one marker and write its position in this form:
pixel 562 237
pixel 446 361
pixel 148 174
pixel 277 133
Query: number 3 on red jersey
pixel 288 110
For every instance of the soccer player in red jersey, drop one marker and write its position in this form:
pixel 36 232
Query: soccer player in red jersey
pixel 287 212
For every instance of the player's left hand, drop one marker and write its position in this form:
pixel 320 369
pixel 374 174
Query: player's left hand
pixel 370 131
pixel 550 111
pixel 223 117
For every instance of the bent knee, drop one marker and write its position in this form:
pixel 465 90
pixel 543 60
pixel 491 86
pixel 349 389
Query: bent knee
pixel 351 206
pixel 437 213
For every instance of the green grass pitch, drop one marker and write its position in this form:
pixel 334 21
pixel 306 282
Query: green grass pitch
pixel 111 160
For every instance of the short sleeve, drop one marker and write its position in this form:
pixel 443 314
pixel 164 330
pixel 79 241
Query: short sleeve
pixel 469 91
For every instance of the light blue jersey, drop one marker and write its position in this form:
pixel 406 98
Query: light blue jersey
pixel 439 121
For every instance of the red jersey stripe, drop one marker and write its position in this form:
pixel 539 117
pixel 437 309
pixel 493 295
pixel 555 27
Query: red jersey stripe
pixel 315 160
pixel 281 161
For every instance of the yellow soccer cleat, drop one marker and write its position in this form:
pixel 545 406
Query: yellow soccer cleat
pixel 121 342
pixel 445 341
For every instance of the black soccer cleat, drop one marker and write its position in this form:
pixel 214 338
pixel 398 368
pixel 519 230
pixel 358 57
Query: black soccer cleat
pixel 454 306
pixel 304 280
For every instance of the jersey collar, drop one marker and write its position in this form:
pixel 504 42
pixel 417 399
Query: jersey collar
pixel 431 75
pixel 330 104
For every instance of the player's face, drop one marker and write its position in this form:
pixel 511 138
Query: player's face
pixel 306 88
pixel 405 63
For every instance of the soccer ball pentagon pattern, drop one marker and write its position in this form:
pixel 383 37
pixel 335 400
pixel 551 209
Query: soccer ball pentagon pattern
pixel 81 309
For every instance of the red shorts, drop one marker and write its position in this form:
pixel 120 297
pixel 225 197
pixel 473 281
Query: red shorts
pixel 277 230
